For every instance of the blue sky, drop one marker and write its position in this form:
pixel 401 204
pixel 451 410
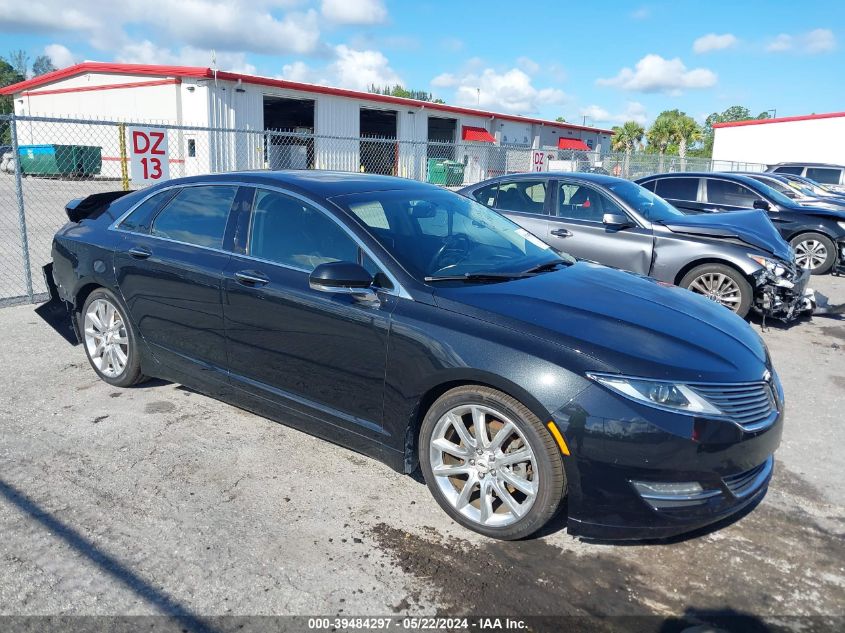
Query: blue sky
pixel 607 61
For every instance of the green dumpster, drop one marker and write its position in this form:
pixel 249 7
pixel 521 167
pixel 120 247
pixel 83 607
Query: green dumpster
pixel 60 160
pixel 445 172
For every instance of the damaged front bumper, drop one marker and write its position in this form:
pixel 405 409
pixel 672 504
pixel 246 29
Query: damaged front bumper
pixel 839 264
pixel 783 297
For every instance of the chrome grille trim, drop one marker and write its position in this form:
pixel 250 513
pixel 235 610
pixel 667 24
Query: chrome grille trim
pixel 751 405
pixel 745 483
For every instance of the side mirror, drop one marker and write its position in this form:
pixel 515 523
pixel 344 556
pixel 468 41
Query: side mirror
pixel 343 278
pixel 761 204
pixel 616 220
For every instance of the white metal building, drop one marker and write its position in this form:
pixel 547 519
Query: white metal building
pixel 337 118
pixel 815 138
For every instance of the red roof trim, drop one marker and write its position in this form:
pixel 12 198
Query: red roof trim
pixel 476 134
pixel 134 84
pixel 207 73
pixel 783 119
pixel 573 143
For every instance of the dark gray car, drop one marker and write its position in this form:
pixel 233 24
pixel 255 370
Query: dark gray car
pixel 737 259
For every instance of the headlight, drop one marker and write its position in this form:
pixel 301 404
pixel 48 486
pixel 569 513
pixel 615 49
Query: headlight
pixel 670 396
pixel 773 266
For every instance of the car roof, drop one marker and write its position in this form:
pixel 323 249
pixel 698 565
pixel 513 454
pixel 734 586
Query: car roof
pixel 325 184
pixel 599 179
pixel 726 175
pixel 798 164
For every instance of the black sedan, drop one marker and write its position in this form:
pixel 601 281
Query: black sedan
pixel 424 329
pixel 816 233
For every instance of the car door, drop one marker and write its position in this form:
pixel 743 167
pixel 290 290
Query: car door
pixel 577 228
pixel 169 272
pixel 523 200
pixel 317 353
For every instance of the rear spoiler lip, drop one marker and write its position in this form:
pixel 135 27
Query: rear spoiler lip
pixel 91 206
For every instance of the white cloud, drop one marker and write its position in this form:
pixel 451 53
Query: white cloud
pixel 452 44
pixel 641 13
pixel 813 42
pixel 634 111
pixel 507 91
pixel 354 11
pixel 234 25
pixel 653 73
pixel 146 52
pixel 350 68
pixel 528 65
pixel 714 42
pixel 60 55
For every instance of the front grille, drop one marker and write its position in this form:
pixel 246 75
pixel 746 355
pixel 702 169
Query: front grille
pixel 748 404
pixel 745 483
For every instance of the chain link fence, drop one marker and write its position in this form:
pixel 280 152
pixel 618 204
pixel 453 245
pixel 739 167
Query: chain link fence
pixel 45 162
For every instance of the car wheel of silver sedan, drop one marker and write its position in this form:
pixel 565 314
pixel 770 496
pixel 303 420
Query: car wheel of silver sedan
pixel 721 284
pixel 490 463
pixel 109 340
pixel 814 251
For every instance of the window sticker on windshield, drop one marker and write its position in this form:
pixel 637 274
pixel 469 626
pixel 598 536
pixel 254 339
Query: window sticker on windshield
pixel 536 241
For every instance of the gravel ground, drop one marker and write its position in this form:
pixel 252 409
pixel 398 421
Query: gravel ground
pixel 158 500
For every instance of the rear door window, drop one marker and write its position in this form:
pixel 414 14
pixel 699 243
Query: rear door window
pixel 730 193
pixel 678 188
pixel 197 215
pixel 824 175
pixel 580 202
pixel 487 195
pixel 524 196
pixel 139 220
pixel 791 169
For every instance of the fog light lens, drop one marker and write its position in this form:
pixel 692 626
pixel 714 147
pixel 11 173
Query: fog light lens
pixel 667 489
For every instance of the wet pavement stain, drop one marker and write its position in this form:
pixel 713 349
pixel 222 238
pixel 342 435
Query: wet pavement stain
pixel 161 406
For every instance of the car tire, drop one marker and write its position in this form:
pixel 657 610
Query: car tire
pixel 722 284
pixel 109 340
pixel 816 249
pixel 525 480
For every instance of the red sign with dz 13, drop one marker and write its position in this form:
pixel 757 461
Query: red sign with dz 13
pixel 148 156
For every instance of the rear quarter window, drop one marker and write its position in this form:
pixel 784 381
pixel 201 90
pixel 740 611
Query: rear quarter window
pixel 139 220
pixel 825 175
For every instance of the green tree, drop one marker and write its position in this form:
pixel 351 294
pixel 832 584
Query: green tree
pixel 401 91
pixel 627 138
pixel 19 60
pixel 661 134
pixel 42 65
pixel 8 76
pixel 734 113
pixel 560 119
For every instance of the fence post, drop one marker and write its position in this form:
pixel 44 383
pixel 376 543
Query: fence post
pixel 27 266
pixel 124 171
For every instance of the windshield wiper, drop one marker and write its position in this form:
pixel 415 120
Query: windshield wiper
pixel 541 268
pixel 495 276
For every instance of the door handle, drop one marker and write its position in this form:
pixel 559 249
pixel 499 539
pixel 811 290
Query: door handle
pixel 139 253
pixel 251 278
pixel 562 233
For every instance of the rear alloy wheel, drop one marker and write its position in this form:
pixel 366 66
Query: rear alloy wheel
pixel 490 464
pixel 109 340
pixel 721 284
pixel 814 251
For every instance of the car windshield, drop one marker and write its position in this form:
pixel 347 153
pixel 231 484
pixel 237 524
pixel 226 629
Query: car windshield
pixel 653 208
pixel 772 194
pixel 441 234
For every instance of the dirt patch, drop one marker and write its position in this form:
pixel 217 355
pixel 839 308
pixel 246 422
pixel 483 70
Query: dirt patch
pixel 161 406
pixel 780 561
pixel 836 331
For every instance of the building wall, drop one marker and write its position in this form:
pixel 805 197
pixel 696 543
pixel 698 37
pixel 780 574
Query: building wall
pixel 813 140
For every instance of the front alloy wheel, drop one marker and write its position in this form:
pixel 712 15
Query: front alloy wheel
pixel 489 462
pixel 814 251
pixel 721 284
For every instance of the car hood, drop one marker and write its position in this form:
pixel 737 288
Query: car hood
pixel 618 321
pixel 822 212
pixel 752 227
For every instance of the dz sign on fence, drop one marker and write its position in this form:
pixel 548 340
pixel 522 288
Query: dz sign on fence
pixel 148 157
pixel 540 160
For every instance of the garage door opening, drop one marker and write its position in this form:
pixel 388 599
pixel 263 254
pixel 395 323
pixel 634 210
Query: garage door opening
pixel 441 138
pixel 289 130
pixel 378 141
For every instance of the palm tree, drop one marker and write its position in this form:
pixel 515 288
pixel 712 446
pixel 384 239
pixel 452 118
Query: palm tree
pixel 660 135
pixel 627 138
pixel 687 132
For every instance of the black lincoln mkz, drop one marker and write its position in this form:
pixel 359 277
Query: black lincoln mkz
pixel 422 328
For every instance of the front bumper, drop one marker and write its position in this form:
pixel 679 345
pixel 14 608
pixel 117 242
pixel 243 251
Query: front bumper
pixel 839 264
pixel 617 444
pixel 784 298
